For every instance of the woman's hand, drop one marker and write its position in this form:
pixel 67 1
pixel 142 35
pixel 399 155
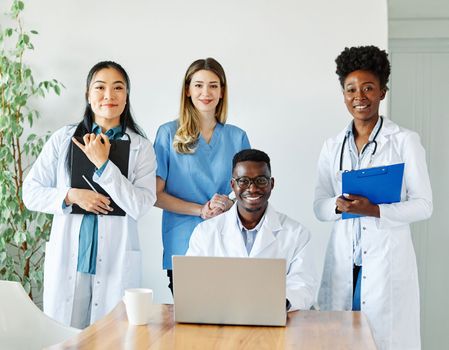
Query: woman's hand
pixel 350 203
pixel 207 212
pixel 96 148
pixel 220 201
pixel 88 200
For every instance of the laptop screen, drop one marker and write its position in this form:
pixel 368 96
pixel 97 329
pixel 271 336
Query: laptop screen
pixel 223 290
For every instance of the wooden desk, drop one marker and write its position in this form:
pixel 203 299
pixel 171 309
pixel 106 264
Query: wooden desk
pixel 305 330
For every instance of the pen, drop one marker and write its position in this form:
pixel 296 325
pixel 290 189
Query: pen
pixel 90 185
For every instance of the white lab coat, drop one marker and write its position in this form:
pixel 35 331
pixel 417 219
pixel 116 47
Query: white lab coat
pixel 118 257
pixel 279 237
pixel 389 289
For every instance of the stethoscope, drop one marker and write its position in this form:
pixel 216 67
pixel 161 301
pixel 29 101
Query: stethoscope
pixel 364 147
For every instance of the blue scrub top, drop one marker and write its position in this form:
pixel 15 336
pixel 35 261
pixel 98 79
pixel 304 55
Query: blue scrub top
pixel 194 178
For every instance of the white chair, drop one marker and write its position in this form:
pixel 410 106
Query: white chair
pixel 23 325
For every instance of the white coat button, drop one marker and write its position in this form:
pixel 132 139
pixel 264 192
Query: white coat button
pixel 362 303
pixel 364 277
pixel 99 260
pixel 98 282
pixel 70 278
pixel 67 300
pixel 96 304
pixel 364 228
pixel 101 237
pixel 364 252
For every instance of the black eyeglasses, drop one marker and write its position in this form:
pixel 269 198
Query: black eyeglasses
pixel 245 182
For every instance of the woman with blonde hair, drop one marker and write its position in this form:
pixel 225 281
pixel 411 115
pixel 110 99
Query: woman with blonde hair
pixel 194 158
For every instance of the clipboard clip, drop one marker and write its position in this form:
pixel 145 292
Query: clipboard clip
pixel 340 173
pixel 373 172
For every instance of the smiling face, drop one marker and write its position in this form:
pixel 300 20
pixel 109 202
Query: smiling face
pixel 107 97
pixel 253 199
pixel 205 92
pixel 362 93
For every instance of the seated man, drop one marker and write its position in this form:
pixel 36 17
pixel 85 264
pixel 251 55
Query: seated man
pixel 252 228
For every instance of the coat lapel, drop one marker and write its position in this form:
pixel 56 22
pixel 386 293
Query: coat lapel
pixel 267 234
pixel 338 144
pixel 383 142
pixel 232 237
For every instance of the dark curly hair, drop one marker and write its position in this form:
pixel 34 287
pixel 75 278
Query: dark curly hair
pixel 369 58
pixel 253 155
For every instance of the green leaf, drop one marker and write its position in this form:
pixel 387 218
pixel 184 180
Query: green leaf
pixel 31 137
pixel 33 31
pixel 41 219
pixel 28 254
pixel 41 92
pixel 30 119
pixel 27 286
pixel 14 278
pixel 19 237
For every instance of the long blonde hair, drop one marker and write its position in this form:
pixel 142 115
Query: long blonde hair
pixel 188 132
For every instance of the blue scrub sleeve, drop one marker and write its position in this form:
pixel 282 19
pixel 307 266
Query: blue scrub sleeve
pixel 101 169
pixel 245 142
pixel 162 146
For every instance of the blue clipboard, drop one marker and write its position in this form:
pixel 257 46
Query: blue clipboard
pixel 381 185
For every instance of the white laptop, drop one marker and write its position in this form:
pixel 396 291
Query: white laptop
pixel 239 291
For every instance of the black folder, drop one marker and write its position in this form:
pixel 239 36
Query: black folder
pixel 81 165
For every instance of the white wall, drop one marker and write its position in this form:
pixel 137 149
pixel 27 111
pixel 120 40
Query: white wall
pixel 278 55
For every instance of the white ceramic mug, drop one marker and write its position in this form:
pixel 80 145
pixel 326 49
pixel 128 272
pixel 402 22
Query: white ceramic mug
pixel 138 303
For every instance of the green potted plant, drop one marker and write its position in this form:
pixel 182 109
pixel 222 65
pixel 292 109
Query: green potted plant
pixel 22 233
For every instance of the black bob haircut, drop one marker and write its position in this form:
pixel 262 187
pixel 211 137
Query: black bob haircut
pixel 369 58
pixel 252 155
